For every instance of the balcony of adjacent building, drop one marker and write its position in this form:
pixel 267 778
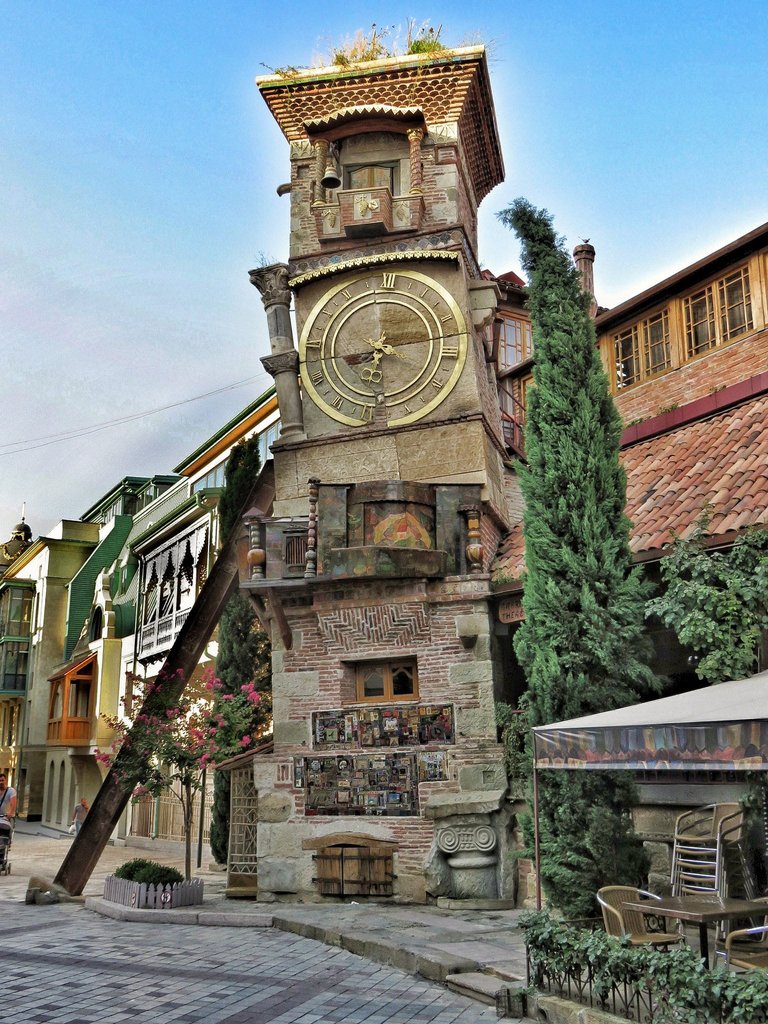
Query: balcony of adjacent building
pixel 511 346
pixel 174 576
pixel 72 706
pixel 16 604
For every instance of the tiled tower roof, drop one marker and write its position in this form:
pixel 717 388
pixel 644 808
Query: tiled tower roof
pixel 451 86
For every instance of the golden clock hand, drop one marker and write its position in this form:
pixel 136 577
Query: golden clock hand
pixel 393 350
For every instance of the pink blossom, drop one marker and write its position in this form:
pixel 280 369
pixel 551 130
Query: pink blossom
pixel 227 696
pixel 244 742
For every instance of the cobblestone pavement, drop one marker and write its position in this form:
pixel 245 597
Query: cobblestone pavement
pixel 65 965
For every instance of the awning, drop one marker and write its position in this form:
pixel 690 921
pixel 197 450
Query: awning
pixel 718 727
pixel 70 668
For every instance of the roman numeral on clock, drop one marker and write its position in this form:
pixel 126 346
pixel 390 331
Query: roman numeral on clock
pixel 337 402
pixel 388 280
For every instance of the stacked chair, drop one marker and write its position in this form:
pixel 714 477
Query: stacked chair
pixel 709 857
pixel 709 854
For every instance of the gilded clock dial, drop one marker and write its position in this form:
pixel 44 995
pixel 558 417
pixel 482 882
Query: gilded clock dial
pixel 391 337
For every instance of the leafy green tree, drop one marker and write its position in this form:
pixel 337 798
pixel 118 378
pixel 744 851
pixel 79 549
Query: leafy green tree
pixel 717 601
pixel 244 650
pixel 582 644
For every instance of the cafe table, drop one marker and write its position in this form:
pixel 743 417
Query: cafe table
pixel 701 910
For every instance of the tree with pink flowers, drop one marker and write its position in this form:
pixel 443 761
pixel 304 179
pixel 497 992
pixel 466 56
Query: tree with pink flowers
pixel 170 749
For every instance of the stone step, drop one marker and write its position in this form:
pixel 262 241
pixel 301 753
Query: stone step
pixel 481 987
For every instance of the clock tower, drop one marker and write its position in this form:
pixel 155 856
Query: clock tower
pixel 370 565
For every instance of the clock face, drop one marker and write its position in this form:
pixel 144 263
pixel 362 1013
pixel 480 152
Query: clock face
pixel 391 337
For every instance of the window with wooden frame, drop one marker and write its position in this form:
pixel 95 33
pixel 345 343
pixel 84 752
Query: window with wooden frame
pixel 718 312
pixel 386 680
pixel 627 350
pixel 642 350
pixel 515 341
pixel 372 176
pixel 656 348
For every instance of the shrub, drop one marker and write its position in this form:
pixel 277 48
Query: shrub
pixel 149 872
pixel 681 989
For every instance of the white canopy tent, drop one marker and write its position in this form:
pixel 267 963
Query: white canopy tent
pixel 718 727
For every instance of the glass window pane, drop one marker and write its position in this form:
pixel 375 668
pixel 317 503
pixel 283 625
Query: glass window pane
pixel 657 350
pixel 402 680
pixel 373 682
pixel 627 362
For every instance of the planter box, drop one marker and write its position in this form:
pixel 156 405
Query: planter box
pixel 153 897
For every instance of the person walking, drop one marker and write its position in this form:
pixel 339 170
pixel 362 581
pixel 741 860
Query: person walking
pixel 79 815
pixel 7 799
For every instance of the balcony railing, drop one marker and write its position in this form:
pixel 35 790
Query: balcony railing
pixel 158 635
pixel 70 731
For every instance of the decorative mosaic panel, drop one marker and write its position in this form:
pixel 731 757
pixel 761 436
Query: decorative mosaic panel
pixel 390 726
pixel 382 785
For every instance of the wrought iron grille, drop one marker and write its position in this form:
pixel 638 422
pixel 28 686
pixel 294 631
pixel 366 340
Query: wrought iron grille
pixel 243 822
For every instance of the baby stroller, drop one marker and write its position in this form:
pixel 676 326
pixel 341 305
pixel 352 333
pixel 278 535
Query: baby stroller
pixel 6 835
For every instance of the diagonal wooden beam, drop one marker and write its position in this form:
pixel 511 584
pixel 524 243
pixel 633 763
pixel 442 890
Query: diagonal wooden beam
pixel 183 657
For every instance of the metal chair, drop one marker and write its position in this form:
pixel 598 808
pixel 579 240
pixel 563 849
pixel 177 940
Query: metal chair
pixel 707 849
pixel 621 922
pixel 752 942
pixel 747 947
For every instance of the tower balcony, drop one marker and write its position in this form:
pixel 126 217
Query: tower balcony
pixel 366 213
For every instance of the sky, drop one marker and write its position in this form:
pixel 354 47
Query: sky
pixel 139 168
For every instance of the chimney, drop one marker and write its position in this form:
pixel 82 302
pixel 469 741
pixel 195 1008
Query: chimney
pixel 584 258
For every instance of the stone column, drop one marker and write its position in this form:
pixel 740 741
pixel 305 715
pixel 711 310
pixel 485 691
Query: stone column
pixel 322 150
pixel 415 135
pixel 283 363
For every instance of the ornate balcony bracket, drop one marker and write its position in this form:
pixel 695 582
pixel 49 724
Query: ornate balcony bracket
pixel 277 613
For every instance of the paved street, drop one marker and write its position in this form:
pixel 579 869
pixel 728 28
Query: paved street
pixel 65 965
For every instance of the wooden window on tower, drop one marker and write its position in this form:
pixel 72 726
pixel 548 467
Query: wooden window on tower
pixel 372 176
pixel 386 680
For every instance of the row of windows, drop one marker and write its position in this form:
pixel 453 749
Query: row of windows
pixel 712 316
pixel 215 478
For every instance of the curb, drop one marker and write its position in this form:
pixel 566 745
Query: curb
pixel 180 915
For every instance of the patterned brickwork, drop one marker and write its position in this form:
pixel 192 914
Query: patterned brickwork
pixel 350 629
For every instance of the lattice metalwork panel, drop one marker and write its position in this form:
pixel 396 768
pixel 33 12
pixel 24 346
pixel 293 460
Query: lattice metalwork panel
pixel 243 822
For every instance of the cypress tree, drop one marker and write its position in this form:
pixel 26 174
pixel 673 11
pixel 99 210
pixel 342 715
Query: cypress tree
pixel 582 644
pixel 244 648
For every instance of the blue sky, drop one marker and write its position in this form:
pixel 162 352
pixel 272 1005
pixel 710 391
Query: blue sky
pixel 138 168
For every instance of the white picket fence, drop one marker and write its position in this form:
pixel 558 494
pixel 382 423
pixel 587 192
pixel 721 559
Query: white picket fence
pixel 153 897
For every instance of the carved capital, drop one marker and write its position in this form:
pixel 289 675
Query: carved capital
pixel 471 839
pixel 282 362
pixel 272 283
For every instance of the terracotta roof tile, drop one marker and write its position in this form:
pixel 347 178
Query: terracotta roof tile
pixel 721 461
